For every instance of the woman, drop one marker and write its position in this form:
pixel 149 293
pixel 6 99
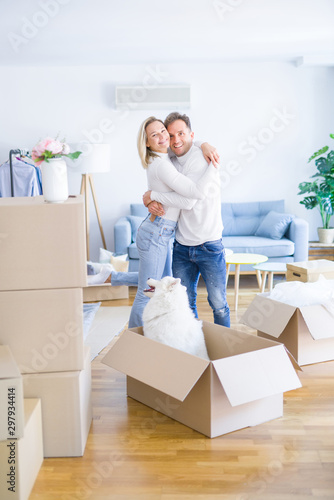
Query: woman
pixel 155 232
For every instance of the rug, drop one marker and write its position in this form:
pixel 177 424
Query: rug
pixel 106 324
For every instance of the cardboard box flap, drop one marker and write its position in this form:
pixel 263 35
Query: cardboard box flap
pixel 319 321
pixel 267 315
pixel 164 368
pixel 255 375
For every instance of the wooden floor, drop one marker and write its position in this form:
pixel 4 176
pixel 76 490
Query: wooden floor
pixel 135 453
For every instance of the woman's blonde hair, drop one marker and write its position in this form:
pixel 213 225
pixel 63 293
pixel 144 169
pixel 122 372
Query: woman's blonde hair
pixel 144 151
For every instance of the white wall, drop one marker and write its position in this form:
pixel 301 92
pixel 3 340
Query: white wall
pixel 233 104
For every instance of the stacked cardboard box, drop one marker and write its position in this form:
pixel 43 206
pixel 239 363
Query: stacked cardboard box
pixel 21 441
pixel 311 270
pixel 11 397
pixel 43 270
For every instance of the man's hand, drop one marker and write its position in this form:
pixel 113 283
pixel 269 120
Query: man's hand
pixel 147 198
pixel 155 208
pixel 210 154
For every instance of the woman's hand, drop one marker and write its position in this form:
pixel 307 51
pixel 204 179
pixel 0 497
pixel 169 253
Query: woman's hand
pixel 155 208
pixel 210 154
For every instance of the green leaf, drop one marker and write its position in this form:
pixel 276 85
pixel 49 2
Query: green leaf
pixel 331 135
pixel 330 157
pixel 74 156
pixel 323 165
pixel 308 187
pixel 309 202
pixel 318 153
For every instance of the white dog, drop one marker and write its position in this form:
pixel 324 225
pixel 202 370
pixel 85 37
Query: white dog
pixel 168 318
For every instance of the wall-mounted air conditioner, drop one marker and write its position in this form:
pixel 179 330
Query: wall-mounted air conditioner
pixel 133 97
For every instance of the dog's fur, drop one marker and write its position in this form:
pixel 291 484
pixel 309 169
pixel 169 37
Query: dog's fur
pixel 167 317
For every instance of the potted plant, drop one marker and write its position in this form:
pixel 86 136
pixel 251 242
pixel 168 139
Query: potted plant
pixel 320 192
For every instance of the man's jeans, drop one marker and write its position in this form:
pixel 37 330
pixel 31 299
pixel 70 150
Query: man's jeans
pixel 208 260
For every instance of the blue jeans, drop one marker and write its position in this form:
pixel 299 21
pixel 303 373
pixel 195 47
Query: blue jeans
pixel 153 243
pixel 208 260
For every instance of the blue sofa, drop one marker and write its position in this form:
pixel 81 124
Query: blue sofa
pixel 253 227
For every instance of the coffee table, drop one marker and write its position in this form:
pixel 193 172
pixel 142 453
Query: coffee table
pixel 269 268
pixel 238 259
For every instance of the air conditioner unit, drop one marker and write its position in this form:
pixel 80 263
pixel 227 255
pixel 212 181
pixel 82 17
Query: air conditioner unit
pixel 153 97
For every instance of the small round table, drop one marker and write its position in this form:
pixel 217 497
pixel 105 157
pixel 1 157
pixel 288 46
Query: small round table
pixel 269 268
pixel 238 259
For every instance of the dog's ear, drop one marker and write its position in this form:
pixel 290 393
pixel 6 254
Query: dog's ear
pixel 175 282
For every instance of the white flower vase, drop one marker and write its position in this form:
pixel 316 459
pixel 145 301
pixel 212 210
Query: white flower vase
pixel 54 180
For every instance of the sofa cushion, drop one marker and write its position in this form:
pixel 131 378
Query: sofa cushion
pixel 274 225
pixel 138 209
pixel 244 218
pixel 256 244
pixel 135 222
pixel 133 251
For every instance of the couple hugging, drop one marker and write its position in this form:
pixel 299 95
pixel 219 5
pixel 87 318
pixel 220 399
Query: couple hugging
pixel 184 202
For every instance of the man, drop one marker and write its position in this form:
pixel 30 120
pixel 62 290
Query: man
pixel 198 247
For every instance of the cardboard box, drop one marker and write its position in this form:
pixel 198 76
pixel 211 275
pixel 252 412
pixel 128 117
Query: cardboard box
pixel 310 271
pixel 21 459
pixel 11 397
pixel 42 245
pixel 307 332
pixel 241 386
pixel 66 408
pixel 104 292
pixel 44 328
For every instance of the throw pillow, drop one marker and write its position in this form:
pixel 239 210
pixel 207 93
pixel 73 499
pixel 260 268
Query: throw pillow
pixel 119 264
pixel 135 221
pixel 274 225
pixel 105 256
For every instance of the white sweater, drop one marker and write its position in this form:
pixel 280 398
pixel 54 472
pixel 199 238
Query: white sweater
pixel 203 221
pixel 162 176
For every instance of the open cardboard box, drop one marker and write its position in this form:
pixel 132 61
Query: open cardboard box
pixel 307 332
pixel 310 271
pixel 11 397
pixel 241 386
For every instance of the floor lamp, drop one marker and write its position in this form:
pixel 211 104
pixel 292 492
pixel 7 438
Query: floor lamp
pixel 95 158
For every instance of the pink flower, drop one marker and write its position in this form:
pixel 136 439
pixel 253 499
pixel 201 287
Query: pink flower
pixel 51 148
pixel 42 146
pixel 36 157
pixel 55 147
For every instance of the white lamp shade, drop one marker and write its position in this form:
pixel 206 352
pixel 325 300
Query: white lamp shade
pixel 95 158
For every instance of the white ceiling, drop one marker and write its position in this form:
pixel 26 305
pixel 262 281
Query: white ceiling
pixel 89 32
